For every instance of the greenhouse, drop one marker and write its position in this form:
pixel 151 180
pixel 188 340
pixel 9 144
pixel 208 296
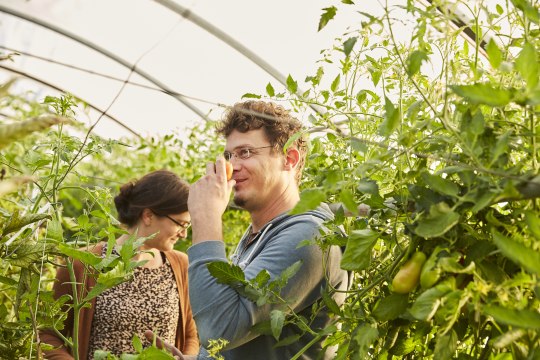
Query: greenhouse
pixel 280 180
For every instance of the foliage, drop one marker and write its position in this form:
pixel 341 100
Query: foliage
pixel 429 143
pixel 438 137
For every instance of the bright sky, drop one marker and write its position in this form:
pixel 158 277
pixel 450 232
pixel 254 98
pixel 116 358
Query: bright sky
pixel 173 50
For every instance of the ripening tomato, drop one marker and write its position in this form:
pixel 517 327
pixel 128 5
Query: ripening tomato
pixel 228 170
pixel 430 273
pixel 408 276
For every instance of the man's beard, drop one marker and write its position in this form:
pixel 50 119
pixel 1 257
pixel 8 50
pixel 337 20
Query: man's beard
pixel 239 202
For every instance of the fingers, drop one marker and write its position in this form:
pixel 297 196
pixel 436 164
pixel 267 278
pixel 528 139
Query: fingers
pixel 150 336
pixel 217 168
pixel 220 168
pixel 160 344
pixel 210 168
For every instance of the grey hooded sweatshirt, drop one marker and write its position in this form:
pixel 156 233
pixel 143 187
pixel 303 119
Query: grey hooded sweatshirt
pixel 221 312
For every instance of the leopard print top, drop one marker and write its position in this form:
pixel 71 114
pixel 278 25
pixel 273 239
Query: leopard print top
pixel 149 301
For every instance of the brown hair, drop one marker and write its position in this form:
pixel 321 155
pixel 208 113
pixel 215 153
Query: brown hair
pixel 161 191
pixel 279 126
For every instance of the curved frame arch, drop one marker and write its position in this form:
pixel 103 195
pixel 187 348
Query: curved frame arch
pixel 43 82
pixel 104 52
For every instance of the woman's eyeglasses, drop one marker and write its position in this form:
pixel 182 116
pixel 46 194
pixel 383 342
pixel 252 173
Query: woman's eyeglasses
pixel 182 225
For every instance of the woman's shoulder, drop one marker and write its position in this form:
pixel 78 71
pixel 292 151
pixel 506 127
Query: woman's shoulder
pixel 175 255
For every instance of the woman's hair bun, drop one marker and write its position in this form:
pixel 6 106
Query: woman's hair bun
pixel 160 191
pixel 122 202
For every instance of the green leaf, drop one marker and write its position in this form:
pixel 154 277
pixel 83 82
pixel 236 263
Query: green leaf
pixel 403 346
pixel 292 139
pixel 262 278
pixel 54 230
pixel 347 198
pixel 529 10
pixel 335 83
pixel 477 124
pixel 533 223
pixel 251 96
pixel 508 338
pixel 270 90
pixel 367 186
pixel 7 281
pixel 309 200
pixel 391 118
pixel 277 319
pixel 390 307
pixel 16 222
pixel 494 54
pixel 83 256
pixel 526 319
pixel 533 97
pixel 428 302
pixel 327 15
pixel 331 303
pixel 292 85
pixel 414 62
pixel 357 254
pixel 483 94
pixel 440 185
pixel 137 343
pixel 288 340
pixel 364 336
pixel 524 256
pixel 348 45
pixel 226 273
pixel 375 76
pixel 289 273
pixel 445 346
pixel 348 2
pixel 153 353
pixel 440 219
pixel 501 147
pixel 527 65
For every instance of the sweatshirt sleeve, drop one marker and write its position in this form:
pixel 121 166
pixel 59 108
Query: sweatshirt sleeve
pixel 220 311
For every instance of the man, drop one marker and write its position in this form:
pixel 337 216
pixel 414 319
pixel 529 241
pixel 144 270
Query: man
pixel 265 182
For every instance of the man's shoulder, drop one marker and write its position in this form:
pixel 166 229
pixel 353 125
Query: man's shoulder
pixel 316 216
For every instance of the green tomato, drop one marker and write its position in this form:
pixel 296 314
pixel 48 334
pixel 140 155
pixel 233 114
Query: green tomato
pixel 408 276
pixel 430 274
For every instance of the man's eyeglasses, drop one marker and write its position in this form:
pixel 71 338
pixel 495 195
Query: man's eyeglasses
pixel 243 153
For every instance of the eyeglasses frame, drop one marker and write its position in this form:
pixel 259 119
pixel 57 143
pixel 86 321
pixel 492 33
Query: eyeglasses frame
pixel 228 155
pixel 184 226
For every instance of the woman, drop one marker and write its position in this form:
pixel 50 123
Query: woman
pixel 157 295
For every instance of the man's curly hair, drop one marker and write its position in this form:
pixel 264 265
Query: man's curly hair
pixel 279 126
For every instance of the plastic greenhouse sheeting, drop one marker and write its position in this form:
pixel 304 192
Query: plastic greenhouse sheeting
pixel 149 68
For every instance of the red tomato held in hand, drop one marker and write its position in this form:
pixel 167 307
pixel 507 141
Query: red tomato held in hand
pixel 228 170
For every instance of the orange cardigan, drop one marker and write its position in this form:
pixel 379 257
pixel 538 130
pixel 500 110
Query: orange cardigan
pixel 186 334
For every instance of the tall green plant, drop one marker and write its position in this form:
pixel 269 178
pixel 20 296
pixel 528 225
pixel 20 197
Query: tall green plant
pixel 430 144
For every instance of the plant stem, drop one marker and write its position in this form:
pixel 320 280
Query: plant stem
pixel 76 310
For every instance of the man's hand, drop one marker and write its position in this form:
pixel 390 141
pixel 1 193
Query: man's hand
pixel 208 199
pixel 164 345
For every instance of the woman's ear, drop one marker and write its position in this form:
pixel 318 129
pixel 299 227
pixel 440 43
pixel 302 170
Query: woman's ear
pixel 292 157
pixel 147 216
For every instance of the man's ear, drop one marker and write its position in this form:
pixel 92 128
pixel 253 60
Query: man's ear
pixel 146 217
pixel 292 157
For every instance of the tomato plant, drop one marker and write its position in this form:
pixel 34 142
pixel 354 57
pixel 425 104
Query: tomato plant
pixel 424 140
